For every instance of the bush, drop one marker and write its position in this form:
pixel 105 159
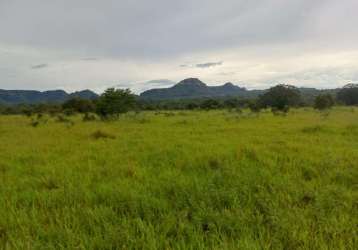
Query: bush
pixel 210 104
pixel 231 103
pixel 34 123
pixel 192 106
pixel 89 117
pixel 79 105
pixel 280 112
pixel 254 106
pixel 323 102
pixel 62 119
pixel 102 135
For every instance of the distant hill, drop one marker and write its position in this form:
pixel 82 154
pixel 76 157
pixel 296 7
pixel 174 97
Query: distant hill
pixel 191 88
pixel 194 88
pixel 13 97
pixel 84 94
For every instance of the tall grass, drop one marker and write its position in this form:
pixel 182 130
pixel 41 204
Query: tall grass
pixel 188 180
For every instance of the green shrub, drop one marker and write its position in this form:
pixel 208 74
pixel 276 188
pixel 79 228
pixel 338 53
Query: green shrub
pixel 323 102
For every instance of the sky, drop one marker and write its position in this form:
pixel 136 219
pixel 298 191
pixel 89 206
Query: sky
pixel 140 44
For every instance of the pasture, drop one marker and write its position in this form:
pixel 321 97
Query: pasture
pixel 181 180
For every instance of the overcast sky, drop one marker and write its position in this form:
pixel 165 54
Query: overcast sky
pixel 141 44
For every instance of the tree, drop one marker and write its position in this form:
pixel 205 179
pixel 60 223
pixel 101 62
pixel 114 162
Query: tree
pixel 348 95
pixel 79 105
pixel 231 103
pixel 210 104
pixel 281 97
pixel 191 105
pixel 114 102
pixel 323 101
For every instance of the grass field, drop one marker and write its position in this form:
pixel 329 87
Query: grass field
pixel 181 180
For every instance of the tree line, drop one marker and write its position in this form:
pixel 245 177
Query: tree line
pixel 114 102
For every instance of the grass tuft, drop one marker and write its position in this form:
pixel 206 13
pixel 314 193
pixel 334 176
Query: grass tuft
pixel 99 134
pixel 313 129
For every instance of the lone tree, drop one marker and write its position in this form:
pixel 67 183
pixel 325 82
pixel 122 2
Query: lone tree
pixel 114 102
pixel 323 102
pixel 281 97
pixel 348 95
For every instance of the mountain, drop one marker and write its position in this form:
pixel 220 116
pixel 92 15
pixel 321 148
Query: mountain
pixel 84 94
pixel 13 97
pixel 351 85
pixel 191 88
pixel 194 88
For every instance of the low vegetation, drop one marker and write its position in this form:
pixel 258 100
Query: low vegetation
pixel 119 172
pixel 214 179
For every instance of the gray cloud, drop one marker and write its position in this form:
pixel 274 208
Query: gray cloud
pixel 90 59
pixel 166 29
pixel 208 65
pixel 138 87
pixel 40 66
pixel 137 40
pixel 201 65
pixel 226 73
pixel 326 77
pixel 160 82
pixel 123 85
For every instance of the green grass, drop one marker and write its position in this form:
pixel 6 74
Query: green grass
pixel 181 180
